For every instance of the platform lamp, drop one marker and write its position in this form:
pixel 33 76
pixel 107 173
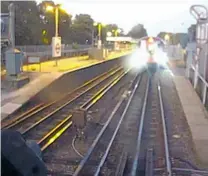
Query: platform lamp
pixel 99 25
pixel 55 8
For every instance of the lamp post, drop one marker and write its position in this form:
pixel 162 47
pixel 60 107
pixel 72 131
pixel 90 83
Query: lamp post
pixel 116 32
pixel 56 8
pixel 56 41
pixel 56 20
pixel 99 25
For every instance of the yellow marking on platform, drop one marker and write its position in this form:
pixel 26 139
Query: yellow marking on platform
pixel 68 64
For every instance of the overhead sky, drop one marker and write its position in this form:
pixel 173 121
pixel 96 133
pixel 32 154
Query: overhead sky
pixel 156 15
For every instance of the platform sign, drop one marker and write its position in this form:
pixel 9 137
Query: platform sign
pixel 4 18
pixel 56 46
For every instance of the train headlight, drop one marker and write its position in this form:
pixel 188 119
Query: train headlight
pixel 161 57
pixel 138 59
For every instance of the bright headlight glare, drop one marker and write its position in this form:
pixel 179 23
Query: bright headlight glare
pixel 138 59
pixel 160 57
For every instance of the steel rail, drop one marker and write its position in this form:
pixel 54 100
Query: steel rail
pixel 139 138
pixel 165 135
pixel 59 127
pixel 90 150
pixel 27 115
pixel 101 92
pixel 117 128
pixel 61 107
pixel 7 123
pixel 184 170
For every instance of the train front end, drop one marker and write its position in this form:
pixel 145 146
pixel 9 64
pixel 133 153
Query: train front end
pixel 157 58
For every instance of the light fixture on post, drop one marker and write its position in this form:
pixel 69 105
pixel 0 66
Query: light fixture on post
pixel 56 40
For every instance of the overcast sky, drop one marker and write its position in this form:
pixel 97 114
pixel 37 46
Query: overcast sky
pixel 156 15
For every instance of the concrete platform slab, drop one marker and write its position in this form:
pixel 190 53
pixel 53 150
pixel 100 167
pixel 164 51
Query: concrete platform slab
pixel 11 101
pixel 196 116
pixel 200 132
pixel 9 107
pixel 199 121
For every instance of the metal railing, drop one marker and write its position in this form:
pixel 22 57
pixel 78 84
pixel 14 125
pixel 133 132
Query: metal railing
pixel 45 51
pixel 47 55
pixel 197 68
pixel 202 90
pixel 48 48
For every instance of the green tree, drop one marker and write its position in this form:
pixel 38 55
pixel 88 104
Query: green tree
pixel 81 29
pixel 48 22
pixel 35 26
pixel 162 35
pixel 27 22
pixel 108 28
pixel 175 38
pixel 182 39
pixel 138 31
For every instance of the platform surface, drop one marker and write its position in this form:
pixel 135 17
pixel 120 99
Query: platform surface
pixel 67 64
pixel 196 116
pixel 10 101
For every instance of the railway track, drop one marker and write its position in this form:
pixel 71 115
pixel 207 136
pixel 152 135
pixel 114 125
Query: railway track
pixel 133 141
pixel 49 107
pixel 64 156
pixel 96 157
pixel 152 148
pixel 183 157
pixel 153 154
pixel 50 127
pixel 65 123
pixel 36 114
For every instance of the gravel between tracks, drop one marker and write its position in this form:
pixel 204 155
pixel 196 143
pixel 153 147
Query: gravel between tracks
pixel 61 153
pixel 61 157
pixel 180 139
pixel 126 137
pixel 152 132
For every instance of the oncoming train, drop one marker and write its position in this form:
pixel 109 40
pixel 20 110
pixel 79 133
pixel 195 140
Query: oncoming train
pixel 151 53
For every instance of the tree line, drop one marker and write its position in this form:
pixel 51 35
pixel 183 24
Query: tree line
pixel 181 38
pixel 35 26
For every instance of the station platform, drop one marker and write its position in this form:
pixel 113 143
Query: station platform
pixel 195 113
pixel 11 101
pixel 67 64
